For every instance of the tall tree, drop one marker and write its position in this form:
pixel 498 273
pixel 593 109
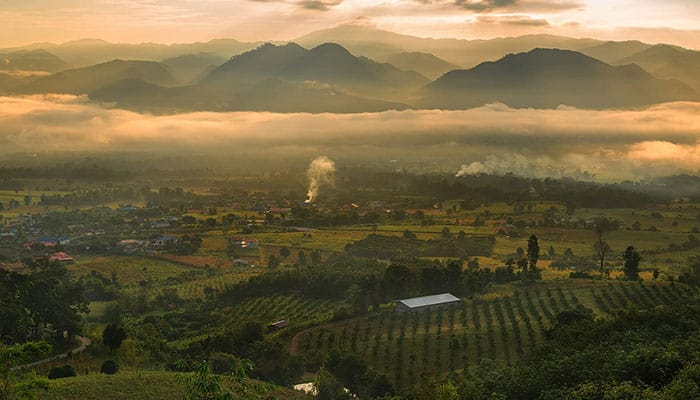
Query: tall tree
pixel 113 336
pixel 632 259
pixel 601 247
pixel 533 252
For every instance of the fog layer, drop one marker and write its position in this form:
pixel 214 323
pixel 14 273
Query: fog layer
pixel 623 144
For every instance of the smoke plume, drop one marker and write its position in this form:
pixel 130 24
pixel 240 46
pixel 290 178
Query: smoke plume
pixel 321 172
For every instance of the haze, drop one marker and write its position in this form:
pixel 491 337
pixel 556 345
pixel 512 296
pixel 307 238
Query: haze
pixel 168 21
pixel 357 80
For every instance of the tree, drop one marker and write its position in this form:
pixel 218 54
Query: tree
pixel 315 257
pixel 601 249
pixel 284 252
pixel 273 262
pixel 329 388
pixel 109 367
pixel 445 233
pixel 302 257
pixel 522 263
pixel 13 356
pixel 113 336
pixel 632 259
pixel 204 385
pixel 408 234
pixel 65 371
pixel 533 252
pixel 50 297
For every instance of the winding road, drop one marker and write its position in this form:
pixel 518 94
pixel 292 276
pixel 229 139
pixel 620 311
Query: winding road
pixel 84 343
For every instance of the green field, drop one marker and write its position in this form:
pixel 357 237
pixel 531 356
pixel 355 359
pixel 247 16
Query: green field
pixel 136 385
pixel 501 326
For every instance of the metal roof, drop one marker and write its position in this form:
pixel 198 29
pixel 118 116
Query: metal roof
pixel 426 301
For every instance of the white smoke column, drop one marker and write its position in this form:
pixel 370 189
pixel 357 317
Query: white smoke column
pixel 321 172
pixel 525 166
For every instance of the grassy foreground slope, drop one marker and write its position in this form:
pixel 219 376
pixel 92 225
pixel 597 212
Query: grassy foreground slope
pixel 144 385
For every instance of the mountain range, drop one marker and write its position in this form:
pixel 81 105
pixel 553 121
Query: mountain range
pixel 364 70
pixel 547 78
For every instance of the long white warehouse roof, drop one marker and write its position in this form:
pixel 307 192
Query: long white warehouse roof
pixel 427 301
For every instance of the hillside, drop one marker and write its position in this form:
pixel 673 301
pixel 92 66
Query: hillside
pixel 614 52
pixel 669 62
pixel 142 385
pixel 547 78
pixel 85 52
pixel 425 64
pixel 269 95
pixel 10 81
pixel 89 79
pixel 264 62
pixel 328 63
pixel 32 60
pixel 189 68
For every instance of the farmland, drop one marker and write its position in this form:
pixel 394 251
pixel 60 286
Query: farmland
pixel 500 327
pixel 196 273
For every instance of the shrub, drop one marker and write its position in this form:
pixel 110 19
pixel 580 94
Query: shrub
pixel 61 372
pixel 109 367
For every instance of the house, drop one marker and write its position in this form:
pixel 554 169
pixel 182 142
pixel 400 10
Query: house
pixel 12 267
pixel 8 236
pixel 279 325
pixel 242 243
pixel 131 246
pixel 47 241
pixel 160 224
pixel 427 302
pixel 162 242
pixel 239 262
pixel 61 257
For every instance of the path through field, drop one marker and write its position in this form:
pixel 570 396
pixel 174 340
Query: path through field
pixel 84 343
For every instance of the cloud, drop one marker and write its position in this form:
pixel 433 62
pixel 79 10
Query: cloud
pixel 318 5
pixel 539 6
pixel 484 5
pixel 517 20
pixel 609 145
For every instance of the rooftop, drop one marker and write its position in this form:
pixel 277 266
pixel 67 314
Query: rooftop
pixel 425 301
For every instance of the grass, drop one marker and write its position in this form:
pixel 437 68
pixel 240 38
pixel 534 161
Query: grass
pixel 135 385
pixel 128 269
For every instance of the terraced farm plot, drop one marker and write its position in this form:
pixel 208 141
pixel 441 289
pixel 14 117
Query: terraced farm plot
pixel 128 269
pixel 197 282
pixel 503 329
pixel 196 288
pixel 299 311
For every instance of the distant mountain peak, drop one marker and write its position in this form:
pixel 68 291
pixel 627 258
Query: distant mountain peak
pixel 330 49
pixel 546 78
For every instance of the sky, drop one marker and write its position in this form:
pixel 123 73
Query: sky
pixel 169 21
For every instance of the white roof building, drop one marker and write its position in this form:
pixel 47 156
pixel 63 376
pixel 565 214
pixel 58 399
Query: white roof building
pixel 426 302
